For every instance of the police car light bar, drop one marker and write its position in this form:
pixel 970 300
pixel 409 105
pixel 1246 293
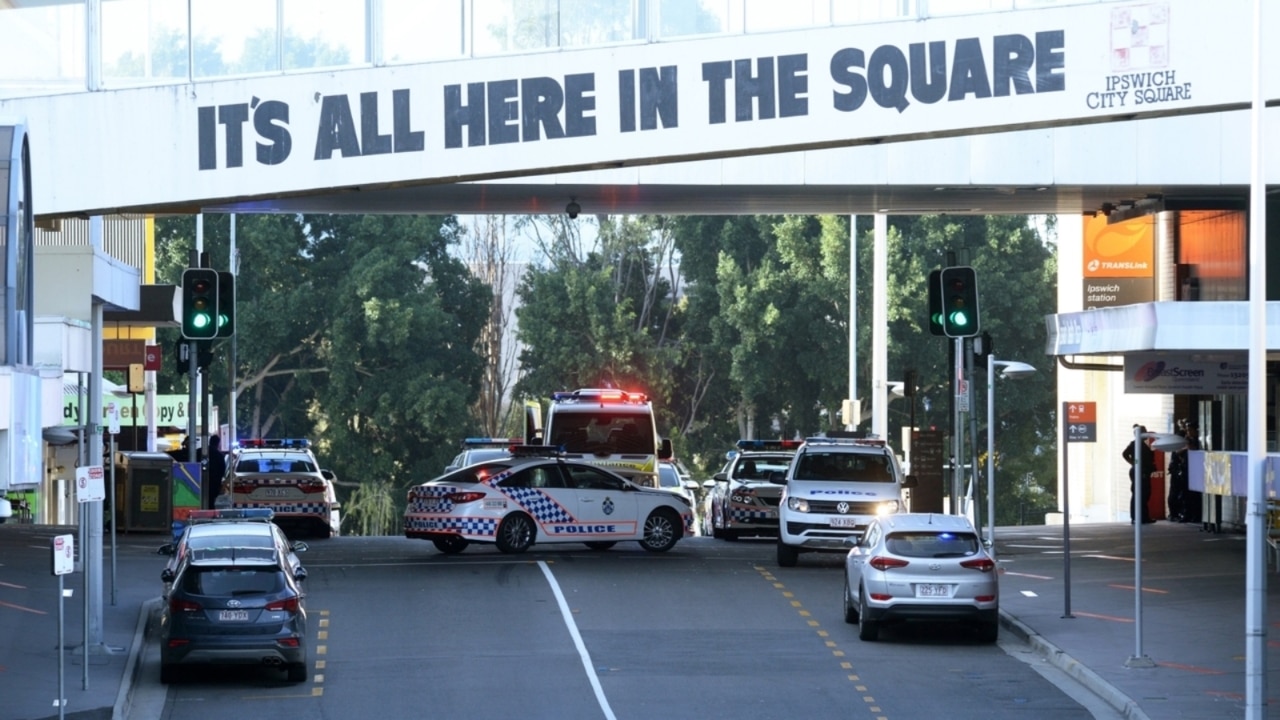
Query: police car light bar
pixel 275 443
pixel 490 441
pixel 867 441
pixel 601 395
pixel 204 516
pixel 769 444
pixel 535 450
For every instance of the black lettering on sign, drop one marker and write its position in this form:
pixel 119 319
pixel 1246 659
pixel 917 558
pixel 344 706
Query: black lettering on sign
pixel 771 88
pixel 893 78
pixel 271 122
pixel 659 98
pixel 508 111
pixel 337 129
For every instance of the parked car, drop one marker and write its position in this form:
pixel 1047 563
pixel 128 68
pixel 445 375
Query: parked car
pixel 537 496
pixel 673 479
pixel 229 528
pixel 479 449
pixel 236 603
pixel 744 497
pixel 921 566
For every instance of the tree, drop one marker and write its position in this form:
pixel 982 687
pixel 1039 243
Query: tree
pixel 489 251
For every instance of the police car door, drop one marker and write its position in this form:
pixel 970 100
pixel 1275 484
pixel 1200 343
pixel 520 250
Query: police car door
pixel 607 506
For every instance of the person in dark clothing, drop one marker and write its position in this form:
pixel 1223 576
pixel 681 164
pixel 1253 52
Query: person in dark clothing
pixel 1177 501
pixel 1148 466
pixel 215 469
pixel 1192 504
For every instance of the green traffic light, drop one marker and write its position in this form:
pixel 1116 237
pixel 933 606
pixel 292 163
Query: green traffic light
pixel 201 320
pixel 960 319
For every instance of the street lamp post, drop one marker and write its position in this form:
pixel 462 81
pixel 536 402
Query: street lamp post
pixel 1160 442
pixel 1013 370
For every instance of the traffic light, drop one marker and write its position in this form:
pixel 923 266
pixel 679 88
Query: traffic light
pixel 226 304
pixel 935 303
pixel 959 289
pixel 199 303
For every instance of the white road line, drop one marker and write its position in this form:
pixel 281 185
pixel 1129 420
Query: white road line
pixel 577 641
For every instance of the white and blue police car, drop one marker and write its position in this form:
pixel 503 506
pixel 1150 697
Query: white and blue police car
pixel 536 496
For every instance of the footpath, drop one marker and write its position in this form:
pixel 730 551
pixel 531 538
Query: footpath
pixel 1190 647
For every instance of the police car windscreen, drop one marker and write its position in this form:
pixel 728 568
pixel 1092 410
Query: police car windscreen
pixel 844 467
pixel 604 432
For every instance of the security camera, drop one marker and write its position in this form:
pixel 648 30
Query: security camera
pixel 572 209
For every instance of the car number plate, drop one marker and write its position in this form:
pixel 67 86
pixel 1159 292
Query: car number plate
pixel 844 522
pixel 233 615
pixel 931 591
pixel 276 492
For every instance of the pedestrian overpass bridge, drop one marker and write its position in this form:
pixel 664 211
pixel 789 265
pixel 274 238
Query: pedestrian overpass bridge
pixel 902 106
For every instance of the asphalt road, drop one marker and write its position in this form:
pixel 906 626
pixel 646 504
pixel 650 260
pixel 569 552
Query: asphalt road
pixel 712 629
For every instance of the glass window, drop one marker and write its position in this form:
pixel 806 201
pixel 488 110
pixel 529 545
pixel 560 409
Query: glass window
pixel 683 17
pixel 144 42
pixel 234 37
pixel 584 23
pixel 848 12
pixel 585 477
pixel 327 34
pixel 414 30
pixel 222 582
pixel 42 48
pixel 504 26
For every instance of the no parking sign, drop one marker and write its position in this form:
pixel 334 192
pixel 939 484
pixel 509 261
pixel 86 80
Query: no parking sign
pixel 89 484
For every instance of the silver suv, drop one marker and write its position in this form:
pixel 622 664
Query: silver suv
pixel 834 488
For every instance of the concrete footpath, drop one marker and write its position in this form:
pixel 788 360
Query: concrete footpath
pixel 1191 662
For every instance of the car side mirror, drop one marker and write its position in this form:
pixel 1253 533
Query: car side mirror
pixel 328 475
pixel 300 574
pixel 665 451
pixel 166 575
pixel 909 482
pixel 777 477
pixel 720 477
pixel 690 484
pixel 298 546
pixel 166 549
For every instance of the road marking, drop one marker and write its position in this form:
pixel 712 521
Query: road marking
pixel 15 587
pixel 24 609
pixel 577 642
pixel 1192 668
pixel 834 647
pixel 1028 593
pixel 1145 589
pixel 1108 557
pixel 1028 575
pixel 1096 616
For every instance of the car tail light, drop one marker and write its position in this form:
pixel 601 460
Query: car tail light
pixel 288 605
pixel 984 564
pixel 881 562
pixel 288 642
pixel 464 497
pixel 179 642
pixel 984 598
pixel 241 487
pixel 312 486
pixel 176 605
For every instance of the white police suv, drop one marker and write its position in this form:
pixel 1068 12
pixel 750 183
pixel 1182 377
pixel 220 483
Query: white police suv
pixel 834 487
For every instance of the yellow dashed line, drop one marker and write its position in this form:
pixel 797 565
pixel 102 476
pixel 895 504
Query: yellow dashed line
pixel 321 650
pixel 324 623
pixel 322 635
pixel 835 647
pixel 320 664
pixel 317 692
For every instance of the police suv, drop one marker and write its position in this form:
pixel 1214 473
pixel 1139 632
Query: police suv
pixel 611 428
pixel 834 487
pixel 281 474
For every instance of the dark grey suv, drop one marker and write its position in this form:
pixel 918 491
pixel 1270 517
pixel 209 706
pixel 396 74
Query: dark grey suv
pixel 237 606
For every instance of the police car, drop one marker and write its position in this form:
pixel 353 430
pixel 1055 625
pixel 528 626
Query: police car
pixel 744 500
pixel 479 449
pixel 538 496
pixel 281 474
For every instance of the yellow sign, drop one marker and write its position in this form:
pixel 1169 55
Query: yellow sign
pixel 149 498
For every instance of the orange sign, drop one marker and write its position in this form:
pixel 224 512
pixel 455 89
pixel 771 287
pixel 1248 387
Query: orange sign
pixel 1125 249
pixel 1082 412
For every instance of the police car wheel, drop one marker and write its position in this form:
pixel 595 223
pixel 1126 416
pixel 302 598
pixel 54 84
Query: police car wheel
pixel 515 534
pixel 601 545
pixel 450 545
pixel 661 531
pixel 787 555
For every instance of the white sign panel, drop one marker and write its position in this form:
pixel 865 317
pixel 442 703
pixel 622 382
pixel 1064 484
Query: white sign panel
pixel 64 554
pixel 113 418
pixel 89 484
pixel 708 97
pixel 1181 375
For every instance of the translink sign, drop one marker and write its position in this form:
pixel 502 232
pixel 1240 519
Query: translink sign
pixel 485 118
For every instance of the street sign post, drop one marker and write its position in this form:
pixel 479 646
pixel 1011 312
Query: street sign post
pixel 1080 424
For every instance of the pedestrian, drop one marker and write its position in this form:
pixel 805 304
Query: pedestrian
pixel 215 469
pixel 1193 501
pixel 1148 459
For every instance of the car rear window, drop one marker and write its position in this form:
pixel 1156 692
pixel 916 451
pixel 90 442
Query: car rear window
pixel 226 582
pixel 931 544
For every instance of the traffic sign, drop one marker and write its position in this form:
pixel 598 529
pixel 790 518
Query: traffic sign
pixel 64 554
pixel 89 484
pixel 1082 421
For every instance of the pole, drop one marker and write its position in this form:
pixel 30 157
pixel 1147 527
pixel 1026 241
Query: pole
pixel 1255 628
pixel 991 451
pixel 62 682
pixel 849 423
pixel 957 427
pixel 1139 482
pixel 114 517
pixel 1066 516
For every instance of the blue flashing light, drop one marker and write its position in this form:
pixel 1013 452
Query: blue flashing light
pixel 294 443
pixel 491 441
pixel 769 444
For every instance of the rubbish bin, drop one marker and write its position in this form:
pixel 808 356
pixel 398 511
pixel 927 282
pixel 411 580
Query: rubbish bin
pixel 147 486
